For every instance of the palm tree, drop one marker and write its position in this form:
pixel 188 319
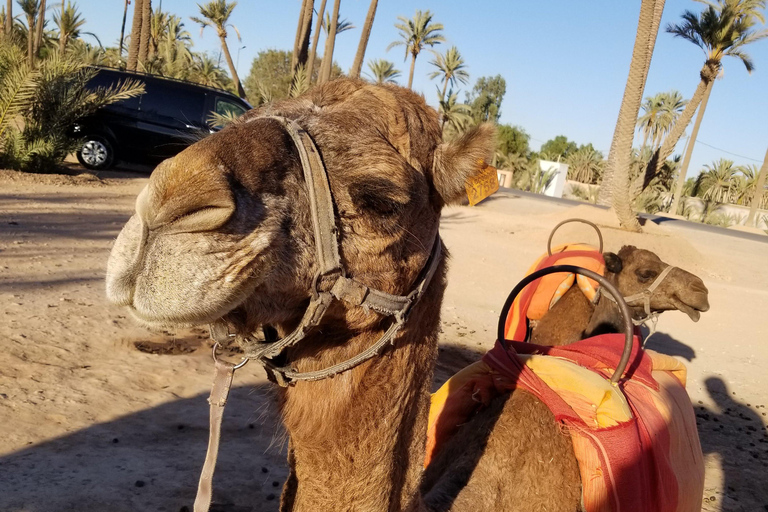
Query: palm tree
pixel 158 24
pixel 717 182
pixel 455 117
pixel 330 41
pixel 383 71
pixel 341 25
pixel 216 14
pixel 357 64
pixel 122 28
pixel 584 165
pixel 30 8
pixel 616 183
pixel 415 34
pixel 451 67
pixel 313 53
pixel 146 25
pixel 722 29
pixel 301 43
pixel 206 72
pixel 133 47
pixel 38 41
pixel 9 17
pixel 759 195
pixel 68 21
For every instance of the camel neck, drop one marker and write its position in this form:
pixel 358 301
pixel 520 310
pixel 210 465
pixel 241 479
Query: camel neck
pixel 357 440
pixel 605 319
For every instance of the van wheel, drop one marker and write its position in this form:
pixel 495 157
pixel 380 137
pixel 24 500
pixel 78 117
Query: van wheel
pixel 96 153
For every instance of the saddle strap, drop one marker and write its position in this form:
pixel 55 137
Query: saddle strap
pixel 222 382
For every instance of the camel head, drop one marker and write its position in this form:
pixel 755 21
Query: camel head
pixel 223 230
pixel 634 270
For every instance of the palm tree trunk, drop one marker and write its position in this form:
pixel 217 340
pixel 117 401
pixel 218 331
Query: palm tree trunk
pixel 301 44
pixel 688 151
pixel 133 48
pixel 708 74
pixel 39 28
pixel 758 195
pixel 327 64
pixel 9 18
pixel 235 78
pixel 63 40
pixel 31 40
pixel 413 66
pixel 357 65
pixel 651 16
pixel 122 28
pixel 621 147
pixel 146 25
pixel 313 53
pixel 445 87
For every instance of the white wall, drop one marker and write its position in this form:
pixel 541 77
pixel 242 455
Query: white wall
pixel 556 186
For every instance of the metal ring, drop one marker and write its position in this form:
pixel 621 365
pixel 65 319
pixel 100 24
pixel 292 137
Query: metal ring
pixel 583 221
pixel 234 367
pixel 605 286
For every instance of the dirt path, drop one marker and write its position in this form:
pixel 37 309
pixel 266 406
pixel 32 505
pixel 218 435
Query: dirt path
pixel 100 414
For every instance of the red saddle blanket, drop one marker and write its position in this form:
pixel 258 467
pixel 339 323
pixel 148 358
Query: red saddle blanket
pixel 637 444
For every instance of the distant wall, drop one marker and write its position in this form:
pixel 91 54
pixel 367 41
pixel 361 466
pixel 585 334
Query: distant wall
pixel 556 186
pixel 737 212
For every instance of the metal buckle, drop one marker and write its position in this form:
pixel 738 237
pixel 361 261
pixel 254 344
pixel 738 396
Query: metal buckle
pixel 234 366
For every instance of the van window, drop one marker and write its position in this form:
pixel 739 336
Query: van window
pixel 173 105
pixel 106 79
pixel 225 107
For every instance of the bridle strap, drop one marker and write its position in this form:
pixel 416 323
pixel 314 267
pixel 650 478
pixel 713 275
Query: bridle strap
pixel 222 382
pixel 645 296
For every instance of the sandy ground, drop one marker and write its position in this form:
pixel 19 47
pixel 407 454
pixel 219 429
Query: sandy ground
pixel 98 414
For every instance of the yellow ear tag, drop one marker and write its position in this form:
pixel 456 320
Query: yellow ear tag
pixel 482 184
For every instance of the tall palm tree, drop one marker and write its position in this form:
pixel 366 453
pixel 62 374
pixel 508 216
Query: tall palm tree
pixel 357 64
pixel 38 41
pixel 415 34
pixel 648 122
pixel 206 72
pixel 301 43
pixel 451 67
pixel 313 52
pixel 330 41
pixel 122 28
pixel 216 14
pixel 9 17
pixel 617 180
pixel 759 195
pixel 158 25
pixel 133 47
pixel 146 25
pixel 30 8
pixel 383 71
pixel 584 165
pixel 722 29
pixel 68 21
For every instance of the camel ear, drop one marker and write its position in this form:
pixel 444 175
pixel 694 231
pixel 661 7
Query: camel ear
pixel 457 161
pixel 612 262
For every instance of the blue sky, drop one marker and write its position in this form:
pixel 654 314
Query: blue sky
pixel 565 62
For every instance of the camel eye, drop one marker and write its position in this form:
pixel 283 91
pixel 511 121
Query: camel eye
pixel 645 275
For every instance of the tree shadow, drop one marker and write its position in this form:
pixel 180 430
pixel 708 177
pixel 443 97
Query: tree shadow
pixel 737 433
pixel 665 344
pixel 151 460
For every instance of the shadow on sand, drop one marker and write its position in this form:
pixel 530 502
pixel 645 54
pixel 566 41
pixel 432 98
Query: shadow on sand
pixel 151 461
pixel 736 433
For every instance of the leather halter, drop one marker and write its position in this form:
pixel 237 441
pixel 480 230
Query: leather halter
pixel 330 281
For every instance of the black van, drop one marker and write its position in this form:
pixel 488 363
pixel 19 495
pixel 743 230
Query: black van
pixel 168 117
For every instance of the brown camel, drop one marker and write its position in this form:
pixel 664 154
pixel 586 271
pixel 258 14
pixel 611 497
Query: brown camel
pixel 632 270
pixel 223 233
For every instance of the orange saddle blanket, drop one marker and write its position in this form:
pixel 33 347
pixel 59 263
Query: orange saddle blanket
pixel 636 443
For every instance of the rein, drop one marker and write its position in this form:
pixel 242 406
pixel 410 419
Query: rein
pixel 330 283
